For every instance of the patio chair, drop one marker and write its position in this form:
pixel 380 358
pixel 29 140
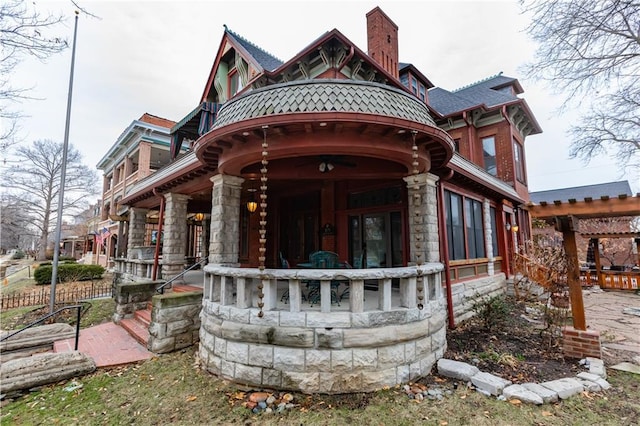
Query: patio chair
pixel 323 260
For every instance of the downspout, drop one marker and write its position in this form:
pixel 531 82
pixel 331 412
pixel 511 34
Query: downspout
pixel 444 249
pixel 156 256
pixel 346 60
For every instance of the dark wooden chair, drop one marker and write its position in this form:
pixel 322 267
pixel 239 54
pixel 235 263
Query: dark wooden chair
pixel 323 260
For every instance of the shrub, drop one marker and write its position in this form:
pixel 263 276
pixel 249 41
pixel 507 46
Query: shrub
pixel 492 311
pixel 68 272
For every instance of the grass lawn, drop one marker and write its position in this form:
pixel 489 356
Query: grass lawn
pixel 172 389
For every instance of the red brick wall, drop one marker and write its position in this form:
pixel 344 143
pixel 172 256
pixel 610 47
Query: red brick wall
pixel 580 343
pixel 382 40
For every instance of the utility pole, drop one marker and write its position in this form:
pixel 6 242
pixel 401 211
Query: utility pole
pixel 63 173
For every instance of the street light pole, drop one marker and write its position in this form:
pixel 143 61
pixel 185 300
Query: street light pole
pixel 63 173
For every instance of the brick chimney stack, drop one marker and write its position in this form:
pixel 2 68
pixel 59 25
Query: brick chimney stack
pixel 382 40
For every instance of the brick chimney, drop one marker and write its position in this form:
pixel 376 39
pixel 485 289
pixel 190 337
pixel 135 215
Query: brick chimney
pixel 382 40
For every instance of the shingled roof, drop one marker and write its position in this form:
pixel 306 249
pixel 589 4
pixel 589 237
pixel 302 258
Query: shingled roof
pixel 609 189
pixel 266 60
pixel 489 92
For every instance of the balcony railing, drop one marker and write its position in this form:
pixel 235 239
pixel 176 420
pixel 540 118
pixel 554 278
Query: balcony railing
pixel 324 290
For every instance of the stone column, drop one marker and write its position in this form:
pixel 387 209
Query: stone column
pixel 137 225
pixel 488 235
pixel 174 239
pixel 224 235
pixel 423 218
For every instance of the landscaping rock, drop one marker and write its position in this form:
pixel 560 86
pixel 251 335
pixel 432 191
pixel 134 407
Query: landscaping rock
pixel 594 378
pixel 43 369
pixel 596 366
pixel 565 388
pixel 456 369
pixel 547 395
pixel 489 383
pixel 523 394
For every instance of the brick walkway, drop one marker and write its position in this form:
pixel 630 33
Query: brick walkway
pixel 108 344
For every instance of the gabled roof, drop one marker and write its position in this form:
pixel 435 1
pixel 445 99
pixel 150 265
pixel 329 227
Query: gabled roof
pixel 489 92
pixel 609 189
pixel 266 60
pixel 403 66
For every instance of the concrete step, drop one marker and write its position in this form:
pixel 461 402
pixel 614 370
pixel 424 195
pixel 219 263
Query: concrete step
pixel 144 316
pixel 136 329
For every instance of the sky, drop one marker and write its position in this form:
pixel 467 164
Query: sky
pixel 155 57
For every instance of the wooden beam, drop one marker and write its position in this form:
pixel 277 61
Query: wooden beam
pixel 590 208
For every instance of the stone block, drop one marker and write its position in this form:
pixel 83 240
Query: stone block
pixel 456 369
pixel 342 360
pixel 523 394
pixel 271 378
pixel 328 320
pixel 589 386
pixel 596 366
pixel 391 355
pixel 304 382
pixel 161 346
pixel 328 339
pixel 375 380
pixel 261 355
pixel 565 387
pixel 594 378
pixel 365 359
pixel 288 359
pixel 248 375
pixel 183 340
pixel 490 383
pixel 179 327
pixel 238 352
pixel 293 319
pixel 332 383
pixel 318 360
pixel 547 395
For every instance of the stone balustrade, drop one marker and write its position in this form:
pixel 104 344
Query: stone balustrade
pixel 386 331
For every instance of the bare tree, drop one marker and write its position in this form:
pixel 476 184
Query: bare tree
pixel 36 180
pixel 24 32
pixel 590 50
pixel 16 230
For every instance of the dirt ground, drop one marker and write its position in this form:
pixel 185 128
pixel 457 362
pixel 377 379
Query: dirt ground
pixel 523 347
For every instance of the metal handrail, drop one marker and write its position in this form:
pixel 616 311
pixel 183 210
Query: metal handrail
pixel 160 289
pixel 78 307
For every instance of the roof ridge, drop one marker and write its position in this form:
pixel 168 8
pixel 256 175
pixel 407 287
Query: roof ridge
pixel 249 42
pixel 477 82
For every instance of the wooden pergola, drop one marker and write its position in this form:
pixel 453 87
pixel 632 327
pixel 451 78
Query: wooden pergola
pixel 565 216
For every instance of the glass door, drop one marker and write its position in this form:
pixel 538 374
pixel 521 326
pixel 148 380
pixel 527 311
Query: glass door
pixel 376 238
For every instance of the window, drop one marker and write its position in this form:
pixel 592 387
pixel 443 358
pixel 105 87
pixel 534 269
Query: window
pixel 475 232
pixel 465 227
pixel 489 155
pixel 455 228
pixel 456 145
pixel 519 161
pixel 414 86
pixel 494 231
pixel 235 85
pixel 421 94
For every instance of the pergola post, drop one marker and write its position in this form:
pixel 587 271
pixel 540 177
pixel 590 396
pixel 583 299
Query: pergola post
pixel 596 254
pixel 568 226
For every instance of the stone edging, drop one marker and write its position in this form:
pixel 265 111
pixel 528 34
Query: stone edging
pixel 531 393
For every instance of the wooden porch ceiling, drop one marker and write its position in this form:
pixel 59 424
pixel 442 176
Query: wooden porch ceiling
pixel 588 208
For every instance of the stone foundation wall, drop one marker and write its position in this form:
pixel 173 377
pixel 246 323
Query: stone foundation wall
pixel 468 293
pixel 175 321
pixel 316 352
pixel 133 296
pixel 580 343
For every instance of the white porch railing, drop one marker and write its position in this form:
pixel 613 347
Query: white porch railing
pixel 136 268
pixel 395 288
